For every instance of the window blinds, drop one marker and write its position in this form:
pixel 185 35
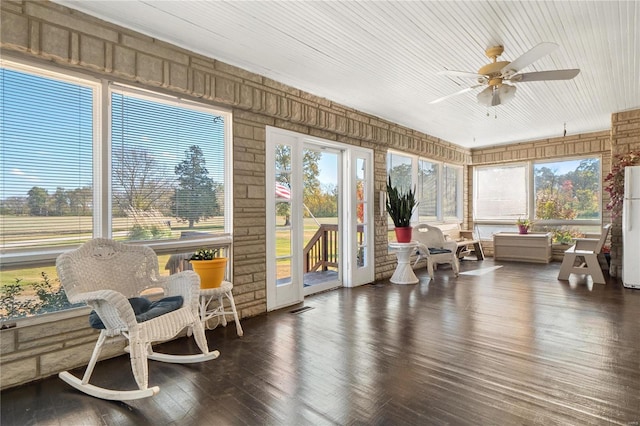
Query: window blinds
pixel 46 133
pixel 168 168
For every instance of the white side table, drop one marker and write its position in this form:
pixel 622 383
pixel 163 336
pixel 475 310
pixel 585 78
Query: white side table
pixel 404 272
pixel 207 312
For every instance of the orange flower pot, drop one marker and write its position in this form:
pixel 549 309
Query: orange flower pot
pixel 211 272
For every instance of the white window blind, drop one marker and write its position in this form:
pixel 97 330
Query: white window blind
pixel 427 190
pixel 168 168
pixel 451 192
pixel 500 192
pixel 46 133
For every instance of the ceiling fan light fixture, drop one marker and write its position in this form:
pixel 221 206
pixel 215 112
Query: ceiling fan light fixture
pixel 494 96
pixel 506 92
pixel 485 97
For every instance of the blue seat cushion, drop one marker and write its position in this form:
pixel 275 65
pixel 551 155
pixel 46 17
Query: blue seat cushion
pixel 434 250
pixel 144 309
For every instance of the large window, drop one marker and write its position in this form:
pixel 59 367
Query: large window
pixel 500 193
pixel 438 186
pixel 567 190
pixel 151 167
pixel 168 168
pixel 561 196
pixel 46 167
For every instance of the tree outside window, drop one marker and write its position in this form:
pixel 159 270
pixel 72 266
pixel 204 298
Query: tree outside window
pixel 568 190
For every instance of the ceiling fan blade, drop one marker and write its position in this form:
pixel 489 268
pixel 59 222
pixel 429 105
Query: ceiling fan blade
pixel 528 58
pixel 464 74
pixel 546 75
pixel 459 92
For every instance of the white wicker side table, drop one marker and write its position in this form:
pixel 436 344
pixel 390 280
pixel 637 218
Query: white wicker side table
pixel 216 296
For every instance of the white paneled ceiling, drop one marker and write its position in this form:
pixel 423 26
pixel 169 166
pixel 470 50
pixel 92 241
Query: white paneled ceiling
pixel 382 57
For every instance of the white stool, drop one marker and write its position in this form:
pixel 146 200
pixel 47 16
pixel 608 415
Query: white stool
pixel 208 295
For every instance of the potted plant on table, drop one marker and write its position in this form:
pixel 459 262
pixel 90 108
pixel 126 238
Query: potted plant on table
pixel 210 266
pixel 400 206
pixel 523 225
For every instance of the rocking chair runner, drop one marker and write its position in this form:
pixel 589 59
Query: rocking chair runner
pixel 104 274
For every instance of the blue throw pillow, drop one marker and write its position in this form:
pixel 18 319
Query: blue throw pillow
pixel 143 309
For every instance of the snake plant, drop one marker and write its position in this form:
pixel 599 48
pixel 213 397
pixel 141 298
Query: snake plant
pixel 400 205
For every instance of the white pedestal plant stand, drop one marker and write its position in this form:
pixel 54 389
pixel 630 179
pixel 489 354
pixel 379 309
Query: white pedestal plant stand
pixel 404 272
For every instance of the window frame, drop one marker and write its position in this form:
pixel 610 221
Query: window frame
pixel 531 196
pixel 528 196
pixel 560 222
pixel 25 257
pixel 415 159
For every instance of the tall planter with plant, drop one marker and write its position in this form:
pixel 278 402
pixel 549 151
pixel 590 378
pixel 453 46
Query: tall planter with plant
pixel 400 206
pixel 210 266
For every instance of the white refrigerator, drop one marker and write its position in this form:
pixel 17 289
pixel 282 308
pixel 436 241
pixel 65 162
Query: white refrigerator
pixel 631 228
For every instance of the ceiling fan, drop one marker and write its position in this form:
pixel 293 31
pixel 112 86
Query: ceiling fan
pixel 496 75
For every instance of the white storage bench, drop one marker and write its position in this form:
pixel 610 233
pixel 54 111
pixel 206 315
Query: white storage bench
pixel 533 247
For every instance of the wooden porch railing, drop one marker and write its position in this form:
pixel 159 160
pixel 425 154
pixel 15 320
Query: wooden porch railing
pixel 321 252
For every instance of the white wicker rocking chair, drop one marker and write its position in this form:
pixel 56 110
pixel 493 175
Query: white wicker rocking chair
pixel 104 274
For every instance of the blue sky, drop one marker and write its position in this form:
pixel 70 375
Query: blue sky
pixel 328 169
pixel 47 131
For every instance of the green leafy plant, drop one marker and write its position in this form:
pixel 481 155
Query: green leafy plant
pixel 14 303
pixel 400 205
pixel 524 222
pixel 614 182
pixel 206 254
pixel 565 236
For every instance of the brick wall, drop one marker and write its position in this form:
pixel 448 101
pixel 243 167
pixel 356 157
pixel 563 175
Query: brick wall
pixel 57 36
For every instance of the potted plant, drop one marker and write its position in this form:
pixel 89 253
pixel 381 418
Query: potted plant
pixel 400 206
pixel 523 225
pixel 210 266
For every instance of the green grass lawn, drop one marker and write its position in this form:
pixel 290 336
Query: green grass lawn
pixel 30 275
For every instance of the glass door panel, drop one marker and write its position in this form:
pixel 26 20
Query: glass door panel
pixel 360 241
pixel 321 240
pixel 283 222
pixel 283 243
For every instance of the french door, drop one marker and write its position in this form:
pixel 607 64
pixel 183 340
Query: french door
pixel 319 216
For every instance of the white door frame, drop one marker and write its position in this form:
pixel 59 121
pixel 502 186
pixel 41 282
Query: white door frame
pixel 278 297
pixel 353 274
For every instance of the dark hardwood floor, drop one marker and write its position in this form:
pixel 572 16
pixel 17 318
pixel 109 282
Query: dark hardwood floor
pixel 505 346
